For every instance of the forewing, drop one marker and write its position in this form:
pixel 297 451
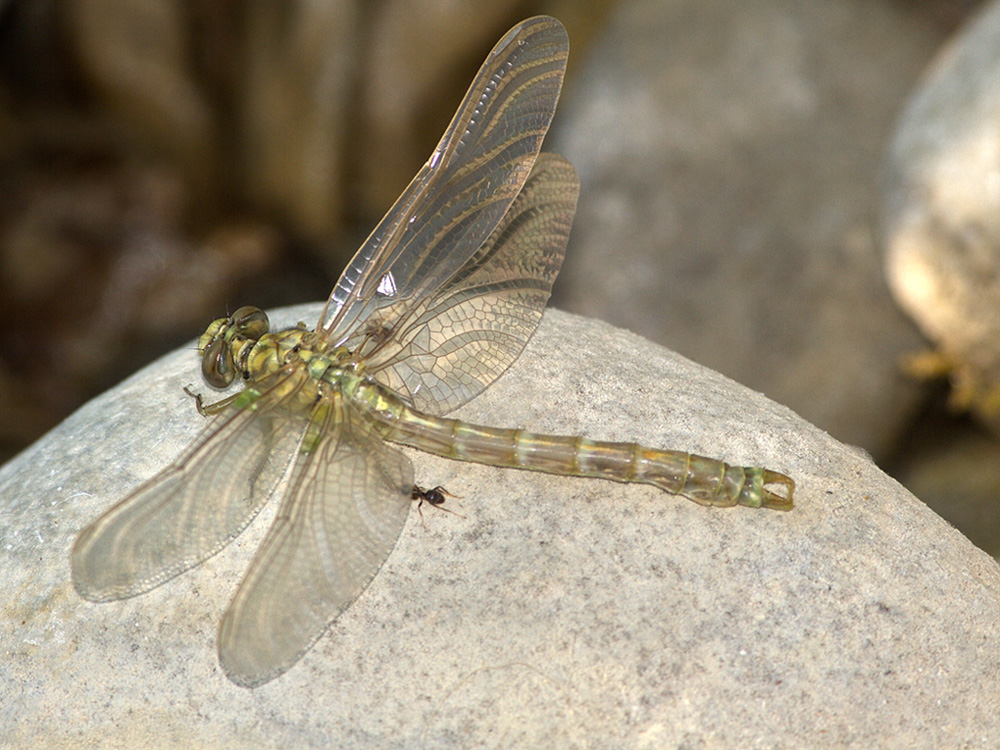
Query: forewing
pixel 448 348
pixel 194 507
pixel 344 509
pixel 467 185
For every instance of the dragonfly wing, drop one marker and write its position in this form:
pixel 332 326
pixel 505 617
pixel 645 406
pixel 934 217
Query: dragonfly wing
pixel 194 507
pixel 465 188
pixel 344 509
pixel 448 348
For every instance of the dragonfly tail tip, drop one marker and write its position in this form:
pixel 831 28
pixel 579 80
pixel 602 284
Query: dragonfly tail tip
pixel 775 500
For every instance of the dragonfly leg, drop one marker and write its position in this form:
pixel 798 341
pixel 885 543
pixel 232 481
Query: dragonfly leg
pixel 208 410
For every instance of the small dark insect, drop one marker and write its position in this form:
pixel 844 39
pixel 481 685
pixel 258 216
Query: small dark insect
pixel 435 497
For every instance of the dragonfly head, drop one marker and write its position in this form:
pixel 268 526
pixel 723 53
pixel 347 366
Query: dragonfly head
pixel 224 341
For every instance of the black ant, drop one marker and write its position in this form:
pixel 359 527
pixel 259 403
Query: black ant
pixel 435 497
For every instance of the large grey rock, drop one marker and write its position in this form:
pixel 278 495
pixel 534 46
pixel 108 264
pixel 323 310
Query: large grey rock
pixel 558 612
pixel 729 157
pixel 942 222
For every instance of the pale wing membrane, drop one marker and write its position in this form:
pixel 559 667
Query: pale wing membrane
pixel 344 509
pixel 194 507
pixel 449 348
pixel 467 185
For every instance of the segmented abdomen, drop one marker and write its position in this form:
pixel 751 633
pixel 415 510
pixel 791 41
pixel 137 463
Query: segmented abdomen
pixel 706 481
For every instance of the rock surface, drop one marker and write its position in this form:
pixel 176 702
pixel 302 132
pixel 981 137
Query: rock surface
pixel 557 612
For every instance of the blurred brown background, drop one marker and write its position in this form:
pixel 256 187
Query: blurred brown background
pixel 162 162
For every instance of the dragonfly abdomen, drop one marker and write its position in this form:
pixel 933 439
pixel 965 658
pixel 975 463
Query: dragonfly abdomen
pixel 706 481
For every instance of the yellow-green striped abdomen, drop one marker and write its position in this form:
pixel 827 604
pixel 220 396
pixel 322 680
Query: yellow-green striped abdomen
pixel 704 480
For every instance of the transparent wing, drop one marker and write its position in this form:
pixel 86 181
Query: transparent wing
pixel 194 507
pixel 445 350
pixel 344 509
pixel 467 185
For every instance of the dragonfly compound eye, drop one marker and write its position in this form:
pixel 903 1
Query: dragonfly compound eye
pixel 217 365
pixel 250 322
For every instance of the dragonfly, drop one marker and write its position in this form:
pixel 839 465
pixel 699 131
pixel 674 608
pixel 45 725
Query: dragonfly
pixel 437 303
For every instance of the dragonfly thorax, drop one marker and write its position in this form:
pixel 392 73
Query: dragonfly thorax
pixel 300 347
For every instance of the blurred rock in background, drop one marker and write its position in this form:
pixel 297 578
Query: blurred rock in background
pixel 163 162
pixel 728 155
pixel 942 245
